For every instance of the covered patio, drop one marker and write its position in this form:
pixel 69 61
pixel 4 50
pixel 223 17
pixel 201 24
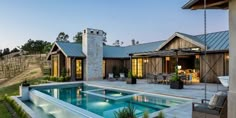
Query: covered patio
pixel 186 60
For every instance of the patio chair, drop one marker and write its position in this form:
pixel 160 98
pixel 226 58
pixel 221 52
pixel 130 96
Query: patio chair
pixel 149 78
pixel 122 77
pixel 167 79
pixel 159 78
pixel 218 110
pixel 111 77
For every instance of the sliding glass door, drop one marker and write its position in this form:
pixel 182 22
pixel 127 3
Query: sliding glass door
pixel 137 67
pixel 79 71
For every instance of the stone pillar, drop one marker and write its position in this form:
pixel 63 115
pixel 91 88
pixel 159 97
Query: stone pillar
pixel 92 46
pixel 232 60
pixel 24 92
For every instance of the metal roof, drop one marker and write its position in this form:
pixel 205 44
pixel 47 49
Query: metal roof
pixel 123 52
pixel 71 49
pixel 215 41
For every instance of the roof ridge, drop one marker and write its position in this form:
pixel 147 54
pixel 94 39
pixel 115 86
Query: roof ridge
pixel 145 43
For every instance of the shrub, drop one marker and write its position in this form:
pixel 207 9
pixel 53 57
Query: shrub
pixel 63 72
pixel 20 112
pixel 67 78
pixel 60 79
pixel 161 115
pixel 115 71
pixel 145 114
pixel 129 74
pixel 127 112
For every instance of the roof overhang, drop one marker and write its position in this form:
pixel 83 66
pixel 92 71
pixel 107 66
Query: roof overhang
pixel 210 4
pixel 167 53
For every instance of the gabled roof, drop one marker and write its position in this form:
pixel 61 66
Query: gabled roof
pixel 192 39
pixel 70 49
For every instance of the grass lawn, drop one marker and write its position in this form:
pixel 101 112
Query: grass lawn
pixel 12 91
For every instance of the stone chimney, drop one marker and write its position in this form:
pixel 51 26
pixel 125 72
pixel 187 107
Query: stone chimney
pixel 92 46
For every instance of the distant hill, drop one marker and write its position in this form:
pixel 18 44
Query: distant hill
pixel 16 69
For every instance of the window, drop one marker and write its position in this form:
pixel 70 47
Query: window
pixel 104 68
pixel 78 69
pixel 137 67
pixel 55 65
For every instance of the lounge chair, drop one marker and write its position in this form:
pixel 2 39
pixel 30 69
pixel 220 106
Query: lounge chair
pixel 122 77
pixel 218 110
pixel 111 77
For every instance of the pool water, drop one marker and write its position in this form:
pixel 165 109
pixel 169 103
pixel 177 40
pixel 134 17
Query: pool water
pixel 105 102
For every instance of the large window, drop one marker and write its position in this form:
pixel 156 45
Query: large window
pixel 137 67
pixel 104 68
pixel 78 69
pixel 55 65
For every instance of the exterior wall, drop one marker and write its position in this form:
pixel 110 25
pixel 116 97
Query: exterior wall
pixel 178 43
pixel 92 46
pixel 232 61
pixel 214 61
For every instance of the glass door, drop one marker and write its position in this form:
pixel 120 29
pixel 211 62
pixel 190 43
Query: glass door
pixel 79 69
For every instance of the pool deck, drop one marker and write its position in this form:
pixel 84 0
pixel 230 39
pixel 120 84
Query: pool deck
pixel 194 92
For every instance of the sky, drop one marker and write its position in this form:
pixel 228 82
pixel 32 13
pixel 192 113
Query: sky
pixel 142 20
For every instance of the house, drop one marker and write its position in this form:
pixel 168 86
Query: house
pixel 93 60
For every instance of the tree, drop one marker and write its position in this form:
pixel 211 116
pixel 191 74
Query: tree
pixel 47 48
pixel 15 50
pixel 1 54
pixel 118 43
pixel 6 51
pixel 78 37
pixel 62 37
pixel 37 46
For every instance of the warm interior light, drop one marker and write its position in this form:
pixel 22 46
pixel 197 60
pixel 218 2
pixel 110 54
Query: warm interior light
pixel 145 60
pixel 195 49
pixel 197 56
pixel 227 57
pixel 179 67
pixel 167 58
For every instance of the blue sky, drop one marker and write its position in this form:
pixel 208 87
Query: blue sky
pixel 143 20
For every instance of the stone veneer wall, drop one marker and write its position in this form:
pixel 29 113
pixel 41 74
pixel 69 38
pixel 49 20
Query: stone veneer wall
pixel 92 46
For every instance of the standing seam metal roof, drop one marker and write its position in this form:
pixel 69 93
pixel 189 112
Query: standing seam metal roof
pixel 215 41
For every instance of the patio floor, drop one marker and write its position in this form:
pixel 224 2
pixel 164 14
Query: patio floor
pixel 195 92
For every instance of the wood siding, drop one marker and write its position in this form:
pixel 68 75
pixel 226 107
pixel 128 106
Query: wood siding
pixel 177 43
pixel 110 63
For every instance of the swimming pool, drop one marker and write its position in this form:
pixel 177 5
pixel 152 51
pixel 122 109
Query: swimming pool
pixel 104 102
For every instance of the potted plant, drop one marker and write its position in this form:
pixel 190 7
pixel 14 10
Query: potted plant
pixel 176 82
pixel 131 79
pixel 25 83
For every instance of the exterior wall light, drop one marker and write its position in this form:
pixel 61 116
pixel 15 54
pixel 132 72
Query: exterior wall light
pixel 167 58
